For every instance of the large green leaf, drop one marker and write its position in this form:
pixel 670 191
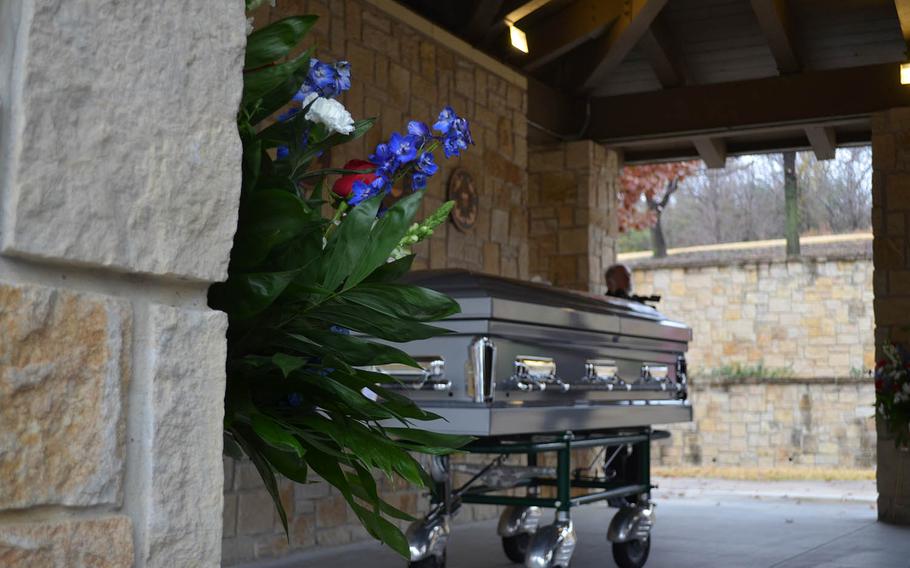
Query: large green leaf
pixel 371 322
pixel 348 243
pixel 392 271
pixel 382 530
pixel 269 218
pixel 276 40
pixel 270 88
pixel 403 301
pixel 448 442
pixel 358 351
pixel 385 236
pixel 246 295
pixel 276 435
pixel 266 473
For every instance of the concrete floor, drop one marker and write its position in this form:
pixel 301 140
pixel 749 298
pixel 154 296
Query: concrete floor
pixel 704 530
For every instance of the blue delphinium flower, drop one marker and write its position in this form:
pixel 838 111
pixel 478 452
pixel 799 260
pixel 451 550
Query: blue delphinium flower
pixel 295 399
pixel 361 191
pixel 426 165
pixel 286 116
pixel 420 130
pixel 326 80
pixel 282 152
pixel 418 181
pixel 404 147
pixel 340 330
pixel 444 122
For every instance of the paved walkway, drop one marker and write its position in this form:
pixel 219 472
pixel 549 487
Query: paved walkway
pixel 705 527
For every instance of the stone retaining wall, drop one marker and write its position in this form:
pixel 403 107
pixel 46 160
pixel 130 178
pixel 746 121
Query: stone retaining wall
pixel 809 317
pixel 773 423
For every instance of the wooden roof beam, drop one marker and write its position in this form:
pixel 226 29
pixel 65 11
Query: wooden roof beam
pixel 777 26
pixel 712 151
pixel 903 14
pixel 483 18
pixel 565 30
pixel 592 61
pixel 823 141
pixel 663 57
pixel 800 98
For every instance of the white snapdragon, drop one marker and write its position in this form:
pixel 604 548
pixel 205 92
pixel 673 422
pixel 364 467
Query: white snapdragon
pixel 330 113
pixel 249 26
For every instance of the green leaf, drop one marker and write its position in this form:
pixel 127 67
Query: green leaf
pixel 318 146
pixel 267 475
pixel 268 218
pixel 288 464
pixel 431 439
pixel 371 322
pixel 288 363
pixel 245 295
pixel 348 243
pixel 392 271
pixel 276 40
pixel 270 88
pixel 358 351
pixel 274 433
pixel 385 236
pixel 403 301
pixel 383 530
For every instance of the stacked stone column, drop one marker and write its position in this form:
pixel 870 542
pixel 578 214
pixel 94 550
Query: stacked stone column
pixel 119 181
pixel 891 280
pixel 572 223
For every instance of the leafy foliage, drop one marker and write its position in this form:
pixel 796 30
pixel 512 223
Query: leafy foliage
pixel 892 393
pixel 298 285
pixel 645 191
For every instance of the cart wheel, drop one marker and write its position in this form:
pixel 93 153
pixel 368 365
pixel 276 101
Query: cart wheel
pixel 631 554
pixel 430 562
pixel 516 546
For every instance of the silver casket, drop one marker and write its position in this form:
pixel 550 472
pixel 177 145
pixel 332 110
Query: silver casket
pixel 526 358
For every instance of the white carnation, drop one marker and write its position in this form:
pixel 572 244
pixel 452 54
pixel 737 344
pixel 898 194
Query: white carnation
pixel 329 112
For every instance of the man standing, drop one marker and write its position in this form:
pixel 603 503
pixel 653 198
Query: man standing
pixel 619 281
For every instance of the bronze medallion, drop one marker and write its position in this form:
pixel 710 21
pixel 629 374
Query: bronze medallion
pixel 463 192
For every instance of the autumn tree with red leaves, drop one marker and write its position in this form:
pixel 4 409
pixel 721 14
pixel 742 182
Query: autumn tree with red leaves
pixel 644 192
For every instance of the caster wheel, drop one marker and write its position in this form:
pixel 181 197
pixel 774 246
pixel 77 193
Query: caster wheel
pixel 516 546
pixel 430 562
pixel 631 554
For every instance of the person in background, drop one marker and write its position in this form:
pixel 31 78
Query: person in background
pixel 619 281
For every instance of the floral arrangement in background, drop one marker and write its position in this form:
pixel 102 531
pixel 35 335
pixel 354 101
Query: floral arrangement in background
pixel 299 284
pixel 892 392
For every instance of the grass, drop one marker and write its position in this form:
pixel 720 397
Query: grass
pixel 738 371
pixel 767 474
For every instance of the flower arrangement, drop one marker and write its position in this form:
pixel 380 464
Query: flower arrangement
pixel 892 393
pixel 299 284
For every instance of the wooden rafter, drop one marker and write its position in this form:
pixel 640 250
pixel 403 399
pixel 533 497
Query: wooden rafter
pixel 663 57
pixel 777 27
pixel 565 30
pixel 823 141
pixel 803 97
pixel 903 14
pixel 712 151
pixel 483 18
pixel 593 60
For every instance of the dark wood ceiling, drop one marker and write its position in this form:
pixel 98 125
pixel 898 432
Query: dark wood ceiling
pixel 665 79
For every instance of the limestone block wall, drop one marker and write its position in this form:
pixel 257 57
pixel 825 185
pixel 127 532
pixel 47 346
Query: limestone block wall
pixel 572 221
pixel 119 181
pixel 774 423
pixel 804 318
pixel 891 256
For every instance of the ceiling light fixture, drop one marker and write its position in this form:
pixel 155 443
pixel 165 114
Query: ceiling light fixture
pixel 520 40
pixel 905 73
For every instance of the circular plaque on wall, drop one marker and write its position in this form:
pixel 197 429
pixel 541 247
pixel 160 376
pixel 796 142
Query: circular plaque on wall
pixel 463 192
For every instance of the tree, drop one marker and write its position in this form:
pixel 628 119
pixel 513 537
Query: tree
pixel 645 192
pixel 791 197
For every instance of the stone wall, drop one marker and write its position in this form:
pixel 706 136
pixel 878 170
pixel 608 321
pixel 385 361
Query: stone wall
pixel 891 255
pixel 775 423
pixel 572 224
pixel 119 180
pixel 402 68
pixel 810 317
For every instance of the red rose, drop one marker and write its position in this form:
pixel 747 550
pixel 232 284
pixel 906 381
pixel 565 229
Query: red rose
pixel 345 184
